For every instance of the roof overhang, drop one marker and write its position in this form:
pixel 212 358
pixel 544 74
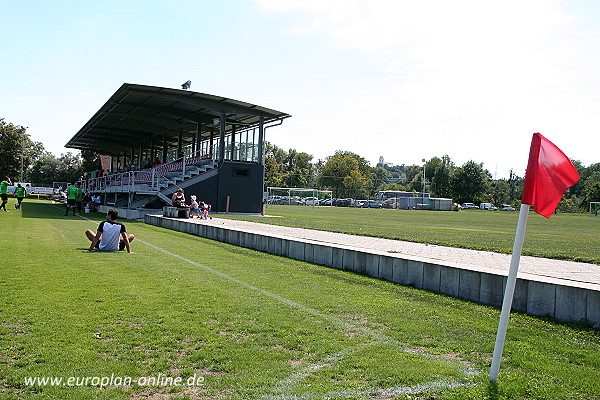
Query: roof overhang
pixel 139 115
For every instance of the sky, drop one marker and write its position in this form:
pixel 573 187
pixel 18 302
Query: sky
pixel 406 80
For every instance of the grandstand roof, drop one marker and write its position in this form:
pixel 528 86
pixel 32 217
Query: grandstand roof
pixel 138 114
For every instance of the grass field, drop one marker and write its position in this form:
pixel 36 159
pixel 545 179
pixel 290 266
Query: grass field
pixel 564 236
pixel 246 325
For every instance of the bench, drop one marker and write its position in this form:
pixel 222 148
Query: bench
pixel 176 212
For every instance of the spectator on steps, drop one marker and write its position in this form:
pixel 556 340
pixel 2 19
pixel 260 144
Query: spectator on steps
pixel 178 198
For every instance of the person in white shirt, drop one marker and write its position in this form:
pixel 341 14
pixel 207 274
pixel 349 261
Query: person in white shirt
pixel 108 233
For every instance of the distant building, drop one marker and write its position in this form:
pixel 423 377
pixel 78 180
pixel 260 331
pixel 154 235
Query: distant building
pixel 382 163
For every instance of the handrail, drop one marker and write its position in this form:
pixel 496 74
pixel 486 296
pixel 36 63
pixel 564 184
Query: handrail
pixel 156 175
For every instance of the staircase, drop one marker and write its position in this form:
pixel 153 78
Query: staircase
pixel 167 178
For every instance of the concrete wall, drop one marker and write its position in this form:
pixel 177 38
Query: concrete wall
pixel 242 182
pixel 539 296
pixel 126 213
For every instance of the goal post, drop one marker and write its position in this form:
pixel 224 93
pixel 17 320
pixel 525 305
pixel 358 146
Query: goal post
pixel 297 196
pixel 58 187
pixel 594 208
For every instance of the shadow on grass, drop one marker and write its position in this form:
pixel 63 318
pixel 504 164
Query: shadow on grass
pixel 96 251
pixel 51 211
pixel 492 391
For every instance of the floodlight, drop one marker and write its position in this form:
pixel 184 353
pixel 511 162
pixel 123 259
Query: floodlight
pixel 186 85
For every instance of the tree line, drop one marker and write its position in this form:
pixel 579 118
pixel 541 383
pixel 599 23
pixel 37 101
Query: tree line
pixel 23 159
pixel 348 174
pixel 345 173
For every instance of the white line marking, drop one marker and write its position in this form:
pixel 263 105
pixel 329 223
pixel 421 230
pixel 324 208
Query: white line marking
pixel 297 377
pixel 370 393
pixel 381 338
pixel 287 385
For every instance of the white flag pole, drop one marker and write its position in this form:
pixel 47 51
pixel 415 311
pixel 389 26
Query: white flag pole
pixel 509 291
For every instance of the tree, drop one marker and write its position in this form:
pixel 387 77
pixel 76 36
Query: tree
pixel 274 174
pixel 397 171
pixel 577 188
pixel 48 168
pixel 380 176
pixel 90 160
pixel 287 169
pixel 591 193
pixel 357 184
pixel 439 171
pixel 412 172
pixel 298 168
pixel 341 165
pixel 469 182
pixel 17 150
pixel 499 192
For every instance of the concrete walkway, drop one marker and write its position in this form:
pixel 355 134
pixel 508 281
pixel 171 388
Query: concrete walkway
pixel 573 273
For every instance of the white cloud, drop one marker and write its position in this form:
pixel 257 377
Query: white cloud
pixel 449 69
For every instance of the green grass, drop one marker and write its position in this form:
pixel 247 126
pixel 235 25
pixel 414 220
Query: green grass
pixel 254 326
pixel 564 236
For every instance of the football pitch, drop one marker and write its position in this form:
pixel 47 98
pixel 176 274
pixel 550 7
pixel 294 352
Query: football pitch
pixel 190 318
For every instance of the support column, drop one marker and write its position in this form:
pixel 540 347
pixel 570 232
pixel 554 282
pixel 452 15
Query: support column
pixel 132 162
pixel 179 143
pixel 197 146
pixel 152 149
pixel 233 143
pixel 140 158
pixel 164 149
pixel 261 138
pixel 254 144
pixel 222 139
pixel 212 142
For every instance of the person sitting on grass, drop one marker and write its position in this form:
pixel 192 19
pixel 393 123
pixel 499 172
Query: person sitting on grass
pixel 107 236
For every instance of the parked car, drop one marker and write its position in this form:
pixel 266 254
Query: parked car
pixel 507 207
pixel 359 203
pixel 276 200
pixel 468 206
pixel 487 206
pixel 325 202
pixel 311 201
pixel 371 204
pixel 391 203
pixel 343 203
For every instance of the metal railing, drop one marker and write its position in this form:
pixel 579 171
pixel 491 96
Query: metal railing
pixel 153 179
pixel 148 179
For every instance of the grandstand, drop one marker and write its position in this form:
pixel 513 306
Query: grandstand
pixel 159 139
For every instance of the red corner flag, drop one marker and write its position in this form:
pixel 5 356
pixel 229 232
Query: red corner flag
pixel 549 174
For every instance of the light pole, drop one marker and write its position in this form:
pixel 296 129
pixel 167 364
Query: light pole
pixel 423 182
pixel 23 129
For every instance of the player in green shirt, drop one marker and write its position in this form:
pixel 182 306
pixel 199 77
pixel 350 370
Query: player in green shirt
pixel 20 192
pixel 71 198
pixel 78 198
pixel 4 192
